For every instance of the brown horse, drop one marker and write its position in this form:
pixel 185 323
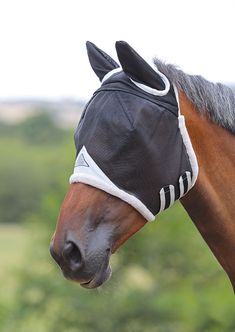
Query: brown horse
pixel 93 224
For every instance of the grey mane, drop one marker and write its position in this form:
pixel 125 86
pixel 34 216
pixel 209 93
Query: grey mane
pixel 215 99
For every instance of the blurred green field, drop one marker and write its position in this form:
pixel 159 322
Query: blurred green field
pixel 13 249
pixel 165 279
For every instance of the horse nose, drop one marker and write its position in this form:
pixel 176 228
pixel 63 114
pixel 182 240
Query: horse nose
pixel 72 256
pixel 69 257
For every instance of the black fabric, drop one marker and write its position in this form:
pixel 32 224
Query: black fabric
pixel 136 67
pixel 134 138
pixel 100 62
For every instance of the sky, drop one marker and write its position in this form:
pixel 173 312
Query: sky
pixel 42 42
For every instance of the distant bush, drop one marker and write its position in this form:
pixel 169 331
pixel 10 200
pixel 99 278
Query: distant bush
pixel 33 154
pixel 37 129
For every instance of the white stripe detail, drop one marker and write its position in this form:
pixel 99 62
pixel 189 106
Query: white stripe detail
pixel 162 195
pixel 95 177
pixel 172 194
pixel 162 200
pixel 189 179
pixel 110 73
pixel 187 143
pixel 181 184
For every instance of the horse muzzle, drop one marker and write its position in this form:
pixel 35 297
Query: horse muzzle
pixel 90 268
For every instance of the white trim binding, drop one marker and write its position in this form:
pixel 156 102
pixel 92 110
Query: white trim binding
pixel 150 90
pixel 95 177
pixel 110 73
pixel 189 149
pixel 153 91
pixel 142 86
pixel 187 143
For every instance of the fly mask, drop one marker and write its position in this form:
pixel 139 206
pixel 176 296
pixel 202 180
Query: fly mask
pixel 131 140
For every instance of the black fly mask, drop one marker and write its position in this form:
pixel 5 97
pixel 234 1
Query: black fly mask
pixel 132 141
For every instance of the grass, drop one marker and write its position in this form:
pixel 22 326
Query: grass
pixel 13 244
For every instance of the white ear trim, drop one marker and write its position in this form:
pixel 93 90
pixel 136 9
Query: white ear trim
pixel 110 73
pixel 142 86
pixel 153 91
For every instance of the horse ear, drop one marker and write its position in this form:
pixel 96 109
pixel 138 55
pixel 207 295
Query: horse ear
pixel 100 62
pixel 137 68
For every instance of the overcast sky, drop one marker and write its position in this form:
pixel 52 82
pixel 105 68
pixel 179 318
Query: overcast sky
pixel 42 42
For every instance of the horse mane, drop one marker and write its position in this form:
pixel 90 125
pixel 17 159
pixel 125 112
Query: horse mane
pixel 215 99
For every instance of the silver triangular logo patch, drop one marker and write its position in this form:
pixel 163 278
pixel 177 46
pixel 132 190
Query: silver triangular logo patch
pixel 81 161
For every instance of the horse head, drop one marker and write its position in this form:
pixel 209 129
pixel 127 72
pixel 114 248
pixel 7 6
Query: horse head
pixel 134 159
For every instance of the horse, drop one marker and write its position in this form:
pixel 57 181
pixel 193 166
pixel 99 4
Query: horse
pixel 150 135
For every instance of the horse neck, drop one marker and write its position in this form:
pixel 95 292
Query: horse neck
pixel 211 203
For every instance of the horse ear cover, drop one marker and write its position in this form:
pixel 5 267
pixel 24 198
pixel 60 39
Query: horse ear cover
pixel 136 67
pixel 100 62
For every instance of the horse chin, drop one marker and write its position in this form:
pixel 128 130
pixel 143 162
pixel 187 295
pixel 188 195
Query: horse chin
pixel 98 279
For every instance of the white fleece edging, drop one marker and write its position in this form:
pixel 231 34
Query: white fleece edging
pixel 94 176
pixel 153 91
pixel 110 73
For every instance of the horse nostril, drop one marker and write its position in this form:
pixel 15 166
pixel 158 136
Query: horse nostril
pixel 72 255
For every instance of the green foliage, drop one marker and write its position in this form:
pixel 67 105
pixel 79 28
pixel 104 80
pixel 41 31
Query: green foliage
pixel 28 169
pixel 35 130
pixel 165 279
pixel 40 129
